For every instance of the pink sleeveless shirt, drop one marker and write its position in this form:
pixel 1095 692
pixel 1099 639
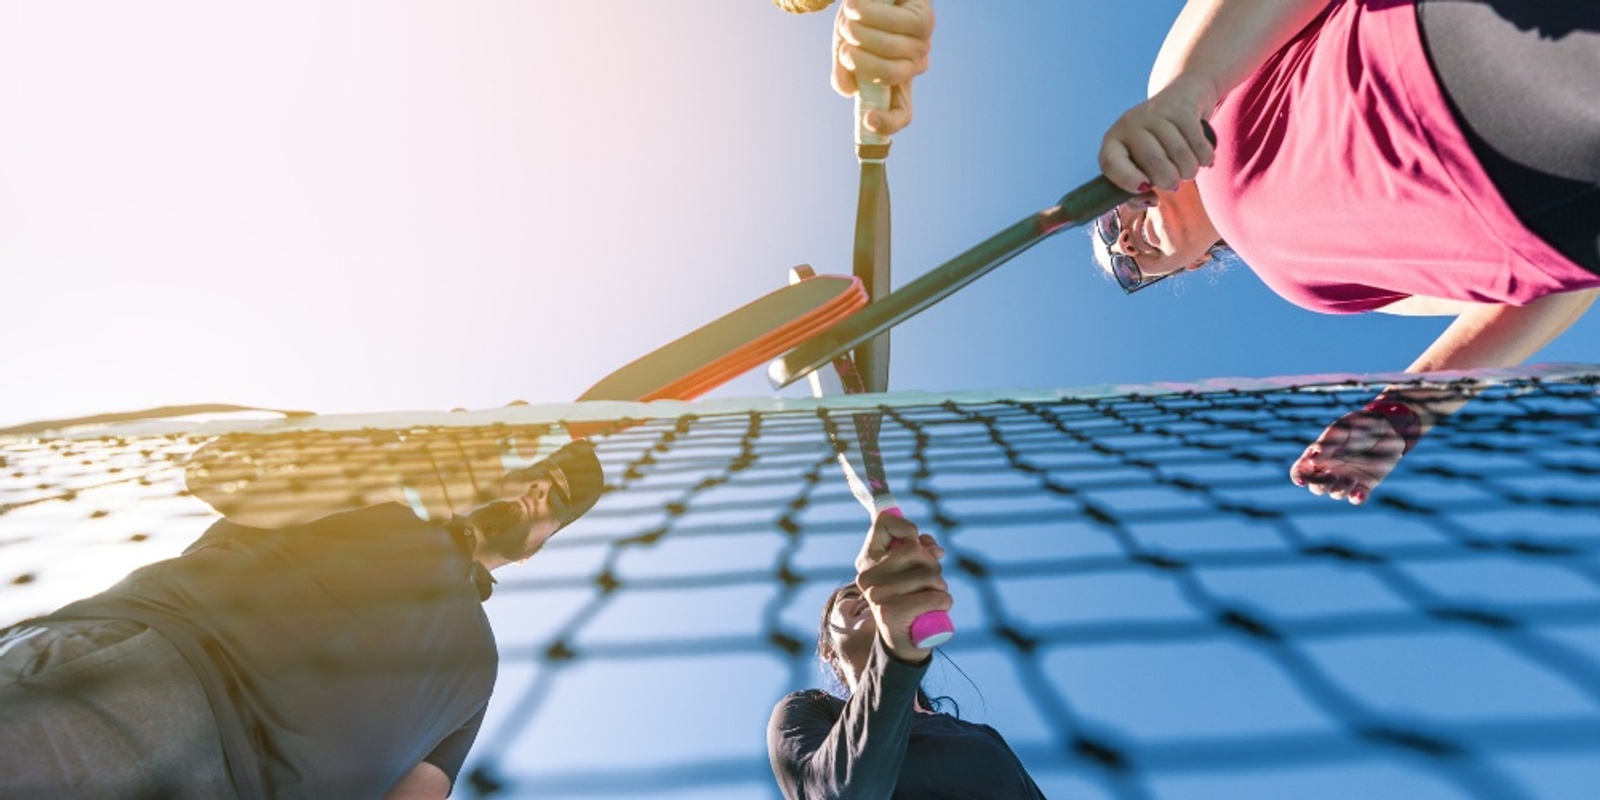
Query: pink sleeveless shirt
pixel 1342 179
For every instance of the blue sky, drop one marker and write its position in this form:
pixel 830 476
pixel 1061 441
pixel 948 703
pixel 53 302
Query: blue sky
pixel 355 207
pixel 365 206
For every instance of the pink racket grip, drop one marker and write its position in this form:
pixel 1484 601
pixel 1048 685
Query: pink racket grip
pixel 932 628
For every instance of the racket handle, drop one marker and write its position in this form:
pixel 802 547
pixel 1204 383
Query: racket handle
pixel 871 97
pixel 931 628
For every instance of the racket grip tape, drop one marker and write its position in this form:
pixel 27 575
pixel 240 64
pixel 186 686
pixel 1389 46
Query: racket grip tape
pixel 931 629
pixel 871 97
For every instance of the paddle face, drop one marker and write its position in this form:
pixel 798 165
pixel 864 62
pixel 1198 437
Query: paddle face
pixel 735 343
pixel 1077 207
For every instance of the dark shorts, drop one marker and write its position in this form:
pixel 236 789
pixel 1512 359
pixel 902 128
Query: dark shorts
pixel 103 709
pixel 1523 80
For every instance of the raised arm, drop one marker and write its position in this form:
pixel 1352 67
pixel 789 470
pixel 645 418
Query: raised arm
pixel 1211 48
pixel 858 753
pixel 1357 452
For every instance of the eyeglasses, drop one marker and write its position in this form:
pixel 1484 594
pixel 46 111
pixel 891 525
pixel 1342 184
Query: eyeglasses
pixel 1108 227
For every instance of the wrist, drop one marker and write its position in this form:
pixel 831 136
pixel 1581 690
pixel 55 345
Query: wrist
pixel 909 655
pixel 1194 90
pixel 1401 417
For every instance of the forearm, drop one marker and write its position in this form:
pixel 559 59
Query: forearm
pixel 1222 42
pixel 267 482
pixel 1489 336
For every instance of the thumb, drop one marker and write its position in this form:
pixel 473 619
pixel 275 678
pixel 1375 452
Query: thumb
pixel 888 529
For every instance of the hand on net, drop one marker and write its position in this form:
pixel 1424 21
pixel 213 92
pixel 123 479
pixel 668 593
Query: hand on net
pixel 898 574
pixel 1352 456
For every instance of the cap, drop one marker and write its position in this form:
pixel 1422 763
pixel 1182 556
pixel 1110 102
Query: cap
pixel 579 468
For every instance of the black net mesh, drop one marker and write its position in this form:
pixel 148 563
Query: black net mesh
pixel 1145 606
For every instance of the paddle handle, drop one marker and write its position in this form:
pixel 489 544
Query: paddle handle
pixel 871 97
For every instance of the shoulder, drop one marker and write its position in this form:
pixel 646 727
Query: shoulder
pixel 803 708
pixel 389 527
pixel 808 698
pixel 994 734
pixel 990 735
pixel 799 723
pixel 389 516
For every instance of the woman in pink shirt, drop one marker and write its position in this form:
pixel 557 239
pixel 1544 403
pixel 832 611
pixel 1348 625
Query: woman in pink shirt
pixel 1406 156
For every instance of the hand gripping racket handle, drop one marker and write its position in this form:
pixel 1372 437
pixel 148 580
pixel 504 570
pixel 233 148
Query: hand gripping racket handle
pixel 870 485
pixel 931 628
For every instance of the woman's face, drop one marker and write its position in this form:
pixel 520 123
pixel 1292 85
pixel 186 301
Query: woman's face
pixel 1172 236
pixel 851 627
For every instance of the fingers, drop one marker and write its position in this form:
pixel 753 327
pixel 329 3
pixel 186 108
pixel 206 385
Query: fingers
pixel 881 43
pixel 886 531
pixel 1322 474
pixel 1161 141
pixel 1337 484
pixel 897 610
pixel 844 81
pixel 905 564
pixel 1350 459
pixel 1198 138
pixel 1118 167
pixel 901 30
pixel 869 66
pixel 912 572
pixel 899 575
pixel 1138 153
pixel 896 117
pixel 1309 470
pixel 900 588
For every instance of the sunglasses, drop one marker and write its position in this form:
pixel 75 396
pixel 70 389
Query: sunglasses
pixel 560 497
pixel 1108 227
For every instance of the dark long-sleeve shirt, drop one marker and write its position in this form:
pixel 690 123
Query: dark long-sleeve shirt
pixel 336 655
pixel 876 745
